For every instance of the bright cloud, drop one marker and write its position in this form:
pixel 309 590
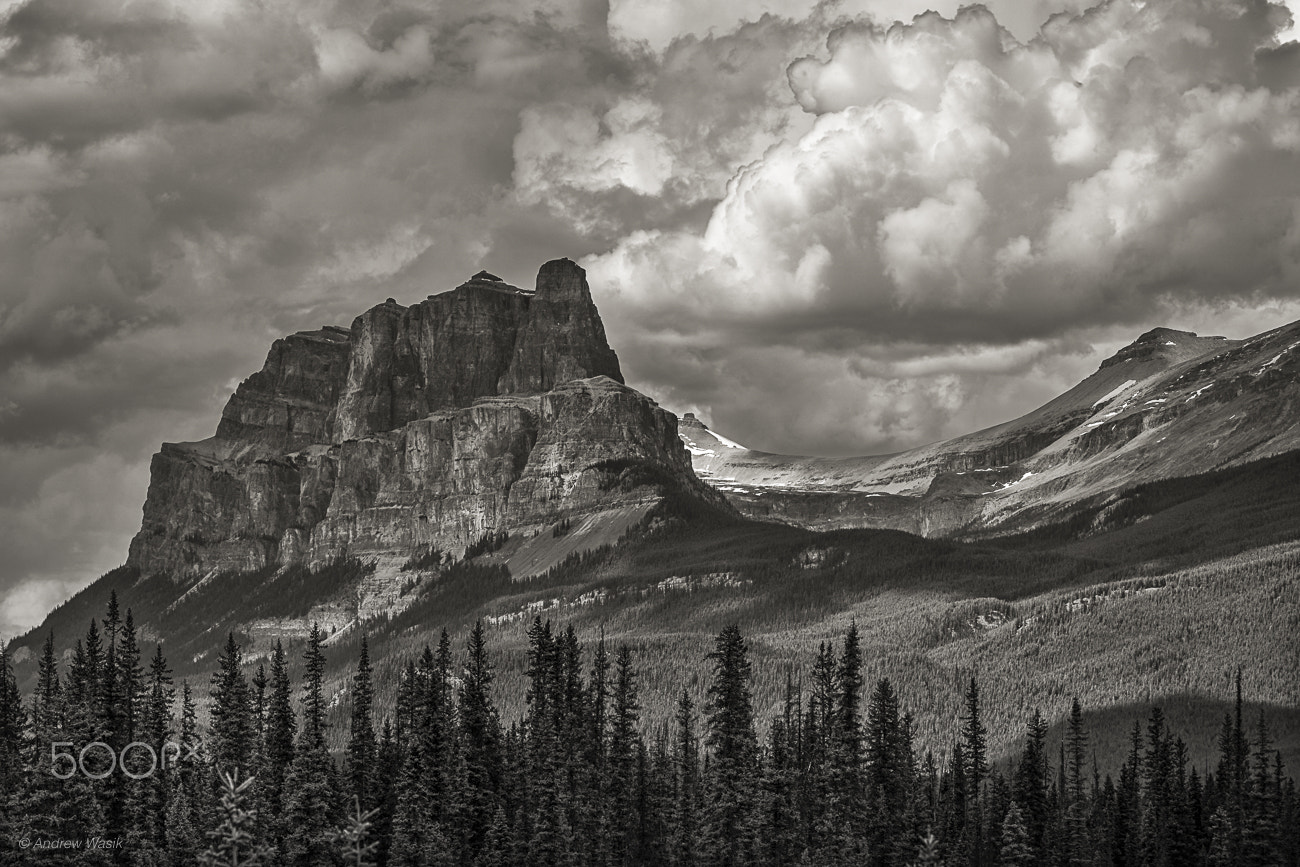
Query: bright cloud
pixel 961 188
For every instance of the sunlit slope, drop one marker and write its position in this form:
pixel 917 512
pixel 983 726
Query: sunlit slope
pixel 1170 404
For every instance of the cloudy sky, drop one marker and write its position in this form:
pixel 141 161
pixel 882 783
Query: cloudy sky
pixel 823 231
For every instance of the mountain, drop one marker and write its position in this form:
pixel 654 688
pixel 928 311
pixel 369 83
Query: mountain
pixel 1170 404
pixel 481 412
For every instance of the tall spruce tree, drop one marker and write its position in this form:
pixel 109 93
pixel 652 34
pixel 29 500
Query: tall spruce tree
pixel 728 836
pixel 13 727
pixel 624 746
pixel 232 720
pixel 311 808
pixel 130 678
pixel 189 795
pixel 147 813
pixel 1157 827
pixel 684 849
pixel 362 745
pixel 845 833
pixel 1076 796
pixel 14 732
pixel 888 778
pixel 480 747
pixel 277 750
pixel 1031 780
pixel 975 743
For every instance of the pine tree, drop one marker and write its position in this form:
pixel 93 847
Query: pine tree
pixel 310 806
pixel 390 765
pixel 1076 801
pixel 818 728
pixel 953 809
pixel 728 835
pixel 411 800
pixel 257 697
pixel 975 743
pixel 1016 851
pixel 362 746
pixel 60 800
pixel 13 726
pixel 780 828
pixel 14 732
pixel 624 743
pixel 888 778
pixel 1030 786
pixel 480 746
pixel 130 679
pixel 278 748
pixel 110 702
pixel 1157 825
pixel 234 842
pixel 147 811
pixel 686 758
pixel 1126 841
pixel 188 798
pixel 232 722
pixel 845 815
pixel 1260 831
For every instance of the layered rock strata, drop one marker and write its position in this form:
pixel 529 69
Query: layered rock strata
pixel 481 409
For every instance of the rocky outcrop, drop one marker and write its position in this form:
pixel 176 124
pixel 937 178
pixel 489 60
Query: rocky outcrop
pixel 562 339
pixel 483 338
pixel 287 404
pixel 482 409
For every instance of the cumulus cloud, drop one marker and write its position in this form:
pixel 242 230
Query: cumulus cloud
pixel 964 190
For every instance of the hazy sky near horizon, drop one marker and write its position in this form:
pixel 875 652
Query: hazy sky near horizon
pixel 837 227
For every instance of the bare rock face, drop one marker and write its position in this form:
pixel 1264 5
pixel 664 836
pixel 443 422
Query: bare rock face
pixel 286 405
pixel 563 338
pixel 482 409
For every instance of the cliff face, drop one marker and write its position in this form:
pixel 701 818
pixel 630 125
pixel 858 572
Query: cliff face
pixel 482 409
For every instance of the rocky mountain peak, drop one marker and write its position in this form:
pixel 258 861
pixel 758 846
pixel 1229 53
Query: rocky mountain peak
pixel 1165 345
pixel 426 425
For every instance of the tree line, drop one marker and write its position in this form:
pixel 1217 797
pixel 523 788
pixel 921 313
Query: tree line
pixel 578 780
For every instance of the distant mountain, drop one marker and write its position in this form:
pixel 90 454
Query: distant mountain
pixel 1170 404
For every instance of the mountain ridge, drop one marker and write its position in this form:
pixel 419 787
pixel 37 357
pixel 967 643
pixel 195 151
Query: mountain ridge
pixel 1045 464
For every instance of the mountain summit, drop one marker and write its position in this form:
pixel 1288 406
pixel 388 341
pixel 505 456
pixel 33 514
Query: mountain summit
pixel 478 412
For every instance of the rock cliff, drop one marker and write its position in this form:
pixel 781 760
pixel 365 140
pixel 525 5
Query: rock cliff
pixel 482 409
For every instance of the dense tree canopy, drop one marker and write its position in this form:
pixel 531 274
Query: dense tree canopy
pixel 581 780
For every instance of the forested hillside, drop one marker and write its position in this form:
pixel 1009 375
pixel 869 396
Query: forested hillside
pixel 835 777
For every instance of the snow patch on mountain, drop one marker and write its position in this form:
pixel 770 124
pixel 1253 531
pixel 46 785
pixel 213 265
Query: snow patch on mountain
pixel 1128 383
